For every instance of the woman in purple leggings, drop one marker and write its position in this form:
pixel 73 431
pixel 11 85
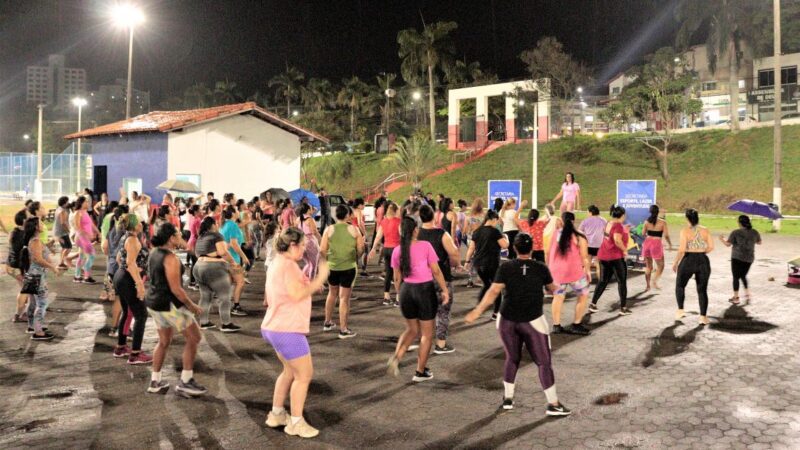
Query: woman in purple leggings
pixel 521 320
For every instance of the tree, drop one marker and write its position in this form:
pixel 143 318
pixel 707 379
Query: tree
pixel 461 73
pixel 549 60
pixel 352 96
pixel 729 27
pixel 414 157
pixel 226 92
pixel 317 94
pixel 430 49
pixel 197 96
pixel 790 29
pixel 287 86
pixel 259 98
pixel 618 115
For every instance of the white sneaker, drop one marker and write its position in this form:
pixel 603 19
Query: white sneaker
pixel 277 420
pixel 302 429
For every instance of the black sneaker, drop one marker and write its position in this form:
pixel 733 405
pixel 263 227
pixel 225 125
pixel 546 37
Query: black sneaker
pixel 229 328
pixel 77 279
pixel 387 302
pixel 508 403
pixel 47 336
pixel 425 375
pixel 206 326
pixel 191 389
pixel 238 311
pixel 625 312
pixel 328 326
pixel 31 330
pixel 158 387
pixel 494 316
pixel 346 334
pixel 364 274
pixel 579 329
pixel 557 410
pixel 443 350
pixel 396 304
pixel 89 280
pixel 558 329
pixel 593 308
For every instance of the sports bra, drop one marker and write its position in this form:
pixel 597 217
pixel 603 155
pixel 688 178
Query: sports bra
pixel 697 242
pixel 655 233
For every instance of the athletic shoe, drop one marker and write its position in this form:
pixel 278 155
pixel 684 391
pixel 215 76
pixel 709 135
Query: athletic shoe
pixel 207 325
pixel 277 420
pixel 704 320
pixel 381 277
pixel 113 333
pixel 508 403
pixel 443 350
pixel 193 286
pixel 425 375
pixel 396 304
pixel 413 347
pixel 121 352
pixel 77 279
pixel 364 274
pixel 44 337
pixel 557 410
pixel 387 302
pixel 237 310
pixel 192 389
pixel 89 280
pixel 494 316
pixel 229 328
pixel 137 359
pixel 347 334
pixel 393 366
pixel 624 312
pixel 680 314
pixel 20 318
pixel 301 429
pixel 328 326
pixel 593 308
pixel 558 329
pixel 470 284
pixel 247 281
pixel 158 387
pixel 63 266
pixel 579 329
pixel 31 330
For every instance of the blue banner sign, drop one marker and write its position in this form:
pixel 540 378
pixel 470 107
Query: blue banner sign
pixel 504 189
pixel 636 196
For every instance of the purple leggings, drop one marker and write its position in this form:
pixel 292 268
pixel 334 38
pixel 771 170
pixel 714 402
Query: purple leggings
pixel 513 335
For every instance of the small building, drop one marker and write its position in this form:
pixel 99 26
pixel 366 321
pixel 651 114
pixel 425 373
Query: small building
pixel 238 148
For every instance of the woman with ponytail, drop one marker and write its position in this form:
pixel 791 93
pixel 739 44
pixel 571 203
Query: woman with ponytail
pixel 416 265
pixel 655 229
pixel 692 261
pixel 743 242
pixel 571 268
pixel 612 259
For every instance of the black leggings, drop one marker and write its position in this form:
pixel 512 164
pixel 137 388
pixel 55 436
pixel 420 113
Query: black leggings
pixel 697 265
pixel 251 255
pixel 512 254
pixel 125 288
pixel 386 254
pixel 191 259
pixel 618 268
pixel 739 269
pixel 486 274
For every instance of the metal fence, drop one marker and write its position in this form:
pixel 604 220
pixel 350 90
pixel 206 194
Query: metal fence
pixel 59 172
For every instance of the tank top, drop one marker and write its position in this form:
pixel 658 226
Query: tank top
pixel 565 268
pixel 341 248
pixel 696 243
pixel 141 258
pixel 58 227
pixel 86 222
pixel 159 295
pixel 447 224
pixel 434 237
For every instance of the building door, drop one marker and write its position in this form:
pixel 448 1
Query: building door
pixel 99 176
pixel 130 185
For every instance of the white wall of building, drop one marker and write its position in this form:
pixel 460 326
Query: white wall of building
pixel 240 154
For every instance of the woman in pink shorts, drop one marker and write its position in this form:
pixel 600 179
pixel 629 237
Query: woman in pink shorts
pixel 655 230
pixel 570 194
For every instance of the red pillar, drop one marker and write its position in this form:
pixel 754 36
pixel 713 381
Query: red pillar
pixel 452 137
pixel 481 128
pixel 511 130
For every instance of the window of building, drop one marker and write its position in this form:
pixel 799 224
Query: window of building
pixel 708 86
pixel 767 77
pixel 615 90
pixel 741 84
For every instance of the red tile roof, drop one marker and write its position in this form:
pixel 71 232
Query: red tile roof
pixel 165 121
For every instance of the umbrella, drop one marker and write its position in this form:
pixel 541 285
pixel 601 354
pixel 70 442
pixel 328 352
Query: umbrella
pixel 278 194
pixel 298 194
pixel 185 187
pixel 768 210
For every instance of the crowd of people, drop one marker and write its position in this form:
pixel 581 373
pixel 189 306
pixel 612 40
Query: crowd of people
pixel 518 258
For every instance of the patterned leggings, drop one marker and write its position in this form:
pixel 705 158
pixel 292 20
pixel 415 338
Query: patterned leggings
pixel 443 313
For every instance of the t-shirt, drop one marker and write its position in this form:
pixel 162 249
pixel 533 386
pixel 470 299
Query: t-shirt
pixel 105 226
pixel 487 250
pixel 141 212
pixel 207 243
pixel 391 232
pixel 566 268
pixel 608 249
pixel 509 222
pixel 744 244
pixel 284 313
pixel 525 280
pixel 570 192
pixel 535 231
pixel 231 231
pixel 194 230
pixel 593 227
pixel 422 256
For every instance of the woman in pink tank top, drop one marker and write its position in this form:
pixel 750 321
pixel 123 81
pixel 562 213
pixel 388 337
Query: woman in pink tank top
pixel 570 267
pixel 86 231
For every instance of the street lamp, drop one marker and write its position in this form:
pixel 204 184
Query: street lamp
pixel 295 113
pixel 26 136
pixel 80 103
pixel 128 16
pixel 417 95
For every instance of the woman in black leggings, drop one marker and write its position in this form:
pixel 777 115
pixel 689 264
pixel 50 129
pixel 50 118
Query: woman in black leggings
pixel 692 261
pixel 484 253
pixel 611 255
pixel 743 254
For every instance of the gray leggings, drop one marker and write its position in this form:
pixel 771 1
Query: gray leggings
pixel 213 278
pixel 443 313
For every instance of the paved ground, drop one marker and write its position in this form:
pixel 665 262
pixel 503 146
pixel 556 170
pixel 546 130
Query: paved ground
pixel 641 381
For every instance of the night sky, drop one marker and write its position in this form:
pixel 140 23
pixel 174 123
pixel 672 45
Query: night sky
pixel 189 41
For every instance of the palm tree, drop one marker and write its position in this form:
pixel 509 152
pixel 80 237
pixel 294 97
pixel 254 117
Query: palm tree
pixel 317 94
pixel 426 50
pixel 729 30
pixel 197 95
pixel 462 73
pixel 414 157
pixel 352 95
pixel 225 92
pixel 259 99
pixel 288 86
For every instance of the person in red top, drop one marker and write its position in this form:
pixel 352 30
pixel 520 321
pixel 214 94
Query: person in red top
pixel 389 231
pixel 534 227
pixel 612 255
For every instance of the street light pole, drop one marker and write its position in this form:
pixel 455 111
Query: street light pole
pixel 535 177
pixel 37 188
pixel 130 74
pixel 128 16
pixel 777 110
pixel 80 103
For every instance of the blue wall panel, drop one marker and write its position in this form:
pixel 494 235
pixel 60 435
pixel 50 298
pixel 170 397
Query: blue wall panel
pixel 141 155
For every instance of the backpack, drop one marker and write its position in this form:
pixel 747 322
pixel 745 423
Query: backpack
pixel 16 243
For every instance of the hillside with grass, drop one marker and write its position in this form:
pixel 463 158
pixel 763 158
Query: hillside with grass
pixel 708 169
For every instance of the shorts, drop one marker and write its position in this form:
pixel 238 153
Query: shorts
pixel 235 270
pixel 343 278
pixel 177 318
pixel 287 344
pixel 593 251
pixel 580 287
pixel 538 255
pixel 65 242
pixel 653 248
pixel 419 300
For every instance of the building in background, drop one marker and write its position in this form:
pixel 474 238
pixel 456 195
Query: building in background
pixel 761 98
pixel 108 101
pixel 55 84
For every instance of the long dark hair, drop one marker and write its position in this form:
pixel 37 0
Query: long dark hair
pixel 617 211
pixel 533 216
pixel 205 225
pixel 30 229
pixel 567 232
pixel 490 215
pixel 304 209
pixel 692 216
pixel 498 204
pixel 654 210
pixel 163 234
pixel 744 221
pixel 407 228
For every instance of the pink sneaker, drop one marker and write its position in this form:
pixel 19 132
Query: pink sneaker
pixel 140 358
pixel 121 352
